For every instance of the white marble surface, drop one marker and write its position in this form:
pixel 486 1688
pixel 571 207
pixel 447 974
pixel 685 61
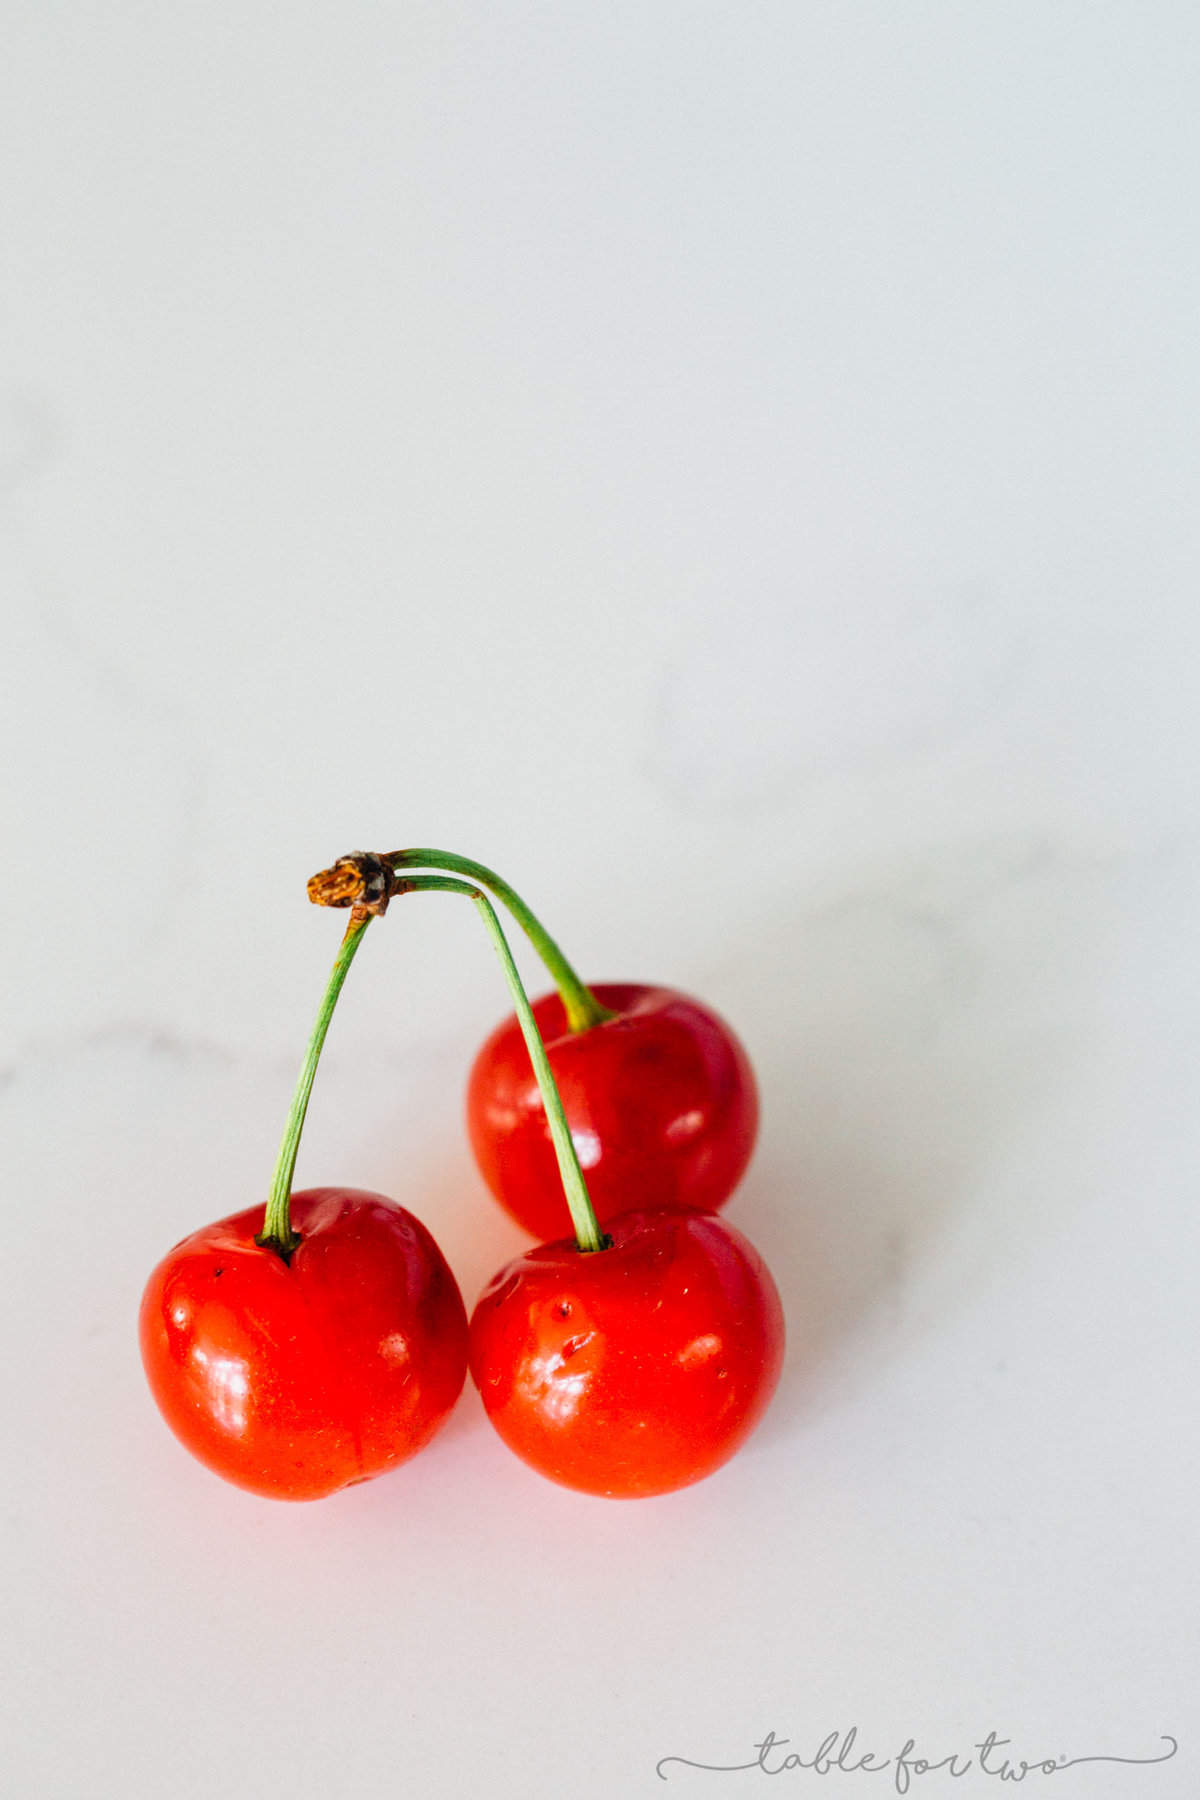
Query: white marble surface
pixel 735 470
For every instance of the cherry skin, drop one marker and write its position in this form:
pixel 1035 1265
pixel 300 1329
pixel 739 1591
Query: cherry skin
pixel 296 1378
pixel 636 1369
pixel 660 1101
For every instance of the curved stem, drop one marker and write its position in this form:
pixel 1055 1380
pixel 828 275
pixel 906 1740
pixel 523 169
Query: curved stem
pixel 587 1231
pixel 277 1233
pixel 582 1008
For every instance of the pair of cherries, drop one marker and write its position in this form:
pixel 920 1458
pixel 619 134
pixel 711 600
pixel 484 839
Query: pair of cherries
pixel 327 1342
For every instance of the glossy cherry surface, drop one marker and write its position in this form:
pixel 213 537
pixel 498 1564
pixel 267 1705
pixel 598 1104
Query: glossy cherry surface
pixel 633 1370
pixel 660 1099
pixel 296 1378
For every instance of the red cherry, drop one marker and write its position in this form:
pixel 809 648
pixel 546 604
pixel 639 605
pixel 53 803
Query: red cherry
pixel 296 1378
pixel 660 1100
pixel 632 1370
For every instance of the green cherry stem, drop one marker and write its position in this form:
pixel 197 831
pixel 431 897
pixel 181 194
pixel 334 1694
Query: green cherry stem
pixel 582 1007
pixel 277 1233
pixel 587 1231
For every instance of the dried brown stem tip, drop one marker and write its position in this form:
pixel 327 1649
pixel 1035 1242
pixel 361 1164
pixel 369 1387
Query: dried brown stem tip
pixel 360 880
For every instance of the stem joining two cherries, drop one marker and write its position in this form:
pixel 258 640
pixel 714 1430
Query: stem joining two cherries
pixel 366 883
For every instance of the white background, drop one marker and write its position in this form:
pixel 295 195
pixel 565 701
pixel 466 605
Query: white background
pixel 734 468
